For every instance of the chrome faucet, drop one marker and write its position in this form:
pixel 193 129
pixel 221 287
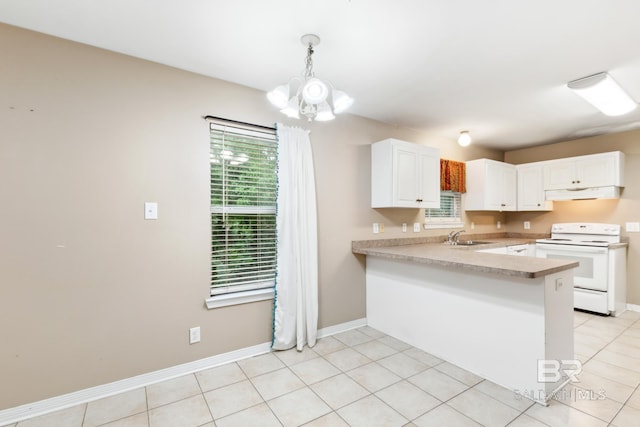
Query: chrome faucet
pixel 453 239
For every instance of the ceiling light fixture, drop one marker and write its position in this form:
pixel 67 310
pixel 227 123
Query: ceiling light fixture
pixel 464 139
pixel 603 93
pixel 314 98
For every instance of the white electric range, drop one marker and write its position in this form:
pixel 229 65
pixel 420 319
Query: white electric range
pixel 600 279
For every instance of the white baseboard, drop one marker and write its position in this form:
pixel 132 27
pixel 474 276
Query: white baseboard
pixel 633 307
pixel 19 413
pixel 342 327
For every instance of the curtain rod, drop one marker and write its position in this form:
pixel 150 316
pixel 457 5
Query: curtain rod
pixel 235 122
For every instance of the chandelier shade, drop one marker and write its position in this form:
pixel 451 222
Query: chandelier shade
pixel 309 95
pixel 279 96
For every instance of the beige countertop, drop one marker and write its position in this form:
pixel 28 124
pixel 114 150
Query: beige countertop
pixel 433 251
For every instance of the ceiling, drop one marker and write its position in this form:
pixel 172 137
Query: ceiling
pixel 497 68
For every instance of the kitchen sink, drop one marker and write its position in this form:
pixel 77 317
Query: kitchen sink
pixel 472 243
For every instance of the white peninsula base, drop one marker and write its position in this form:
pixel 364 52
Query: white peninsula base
pixel 495 326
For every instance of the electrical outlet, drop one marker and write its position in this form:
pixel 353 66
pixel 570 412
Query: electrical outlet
pixel 473 225
pixel 632 227
pixel 404 227
pixel 194 335
pixel 382 227
pixel 527 225
pixel 376 228
pixel 498 225
pixel 416 227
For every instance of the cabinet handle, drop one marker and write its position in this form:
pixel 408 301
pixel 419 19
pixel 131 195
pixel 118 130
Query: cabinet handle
pixel 419 200
pixel 502 204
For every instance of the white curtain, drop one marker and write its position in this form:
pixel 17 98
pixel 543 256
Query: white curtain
pixel 296 302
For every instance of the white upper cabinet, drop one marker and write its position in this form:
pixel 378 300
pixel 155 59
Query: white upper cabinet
pixel 531 188
pixel 595 170
pixel 404 175
pixel 491 186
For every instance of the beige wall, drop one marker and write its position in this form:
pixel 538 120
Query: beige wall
pixel 618 211
pixel 91 292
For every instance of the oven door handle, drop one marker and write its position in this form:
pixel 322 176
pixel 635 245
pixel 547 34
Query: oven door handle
pixel 571 248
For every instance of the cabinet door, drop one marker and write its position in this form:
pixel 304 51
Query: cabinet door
pixel 509 188
pixel 493 186
pixel 502 251
pixel 518 250
pixel 530 194
pixel 595 171
pixel 406 177
pixel 429 191
pixel 501 187
pixel 559 175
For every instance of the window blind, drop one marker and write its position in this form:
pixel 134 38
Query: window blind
pixel 450 211
pixel 243 163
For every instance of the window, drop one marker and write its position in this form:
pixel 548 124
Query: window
pixel 243 161
pixel 448 215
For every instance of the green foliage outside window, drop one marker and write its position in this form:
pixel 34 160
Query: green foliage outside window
pixel 243 214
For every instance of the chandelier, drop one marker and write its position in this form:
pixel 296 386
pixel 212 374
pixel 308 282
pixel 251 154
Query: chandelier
pixel 308 95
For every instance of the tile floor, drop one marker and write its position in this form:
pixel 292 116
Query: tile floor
pixel 365 378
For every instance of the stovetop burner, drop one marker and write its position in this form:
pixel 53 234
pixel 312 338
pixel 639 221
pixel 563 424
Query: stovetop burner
pixel 583 234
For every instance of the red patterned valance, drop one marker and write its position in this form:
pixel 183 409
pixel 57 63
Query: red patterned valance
pixel 453 176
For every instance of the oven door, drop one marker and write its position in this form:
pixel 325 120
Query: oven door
pixel 592 271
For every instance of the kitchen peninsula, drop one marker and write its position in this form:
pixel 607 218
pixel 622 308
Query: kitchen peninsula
pixel 491 314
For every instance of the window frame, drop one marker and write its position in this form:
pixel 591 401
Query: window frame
pixel 433 220
pixel 260 289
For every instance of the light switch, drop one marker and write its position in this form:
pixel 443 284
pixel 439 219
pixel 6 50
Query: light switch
pixel 150 210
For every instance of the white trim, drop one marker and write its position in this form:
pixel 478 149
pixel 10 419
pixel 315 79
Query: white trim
pixel 20 413
pixel 342 327
pixel 224 300
pixel 633 307
pixel 430 225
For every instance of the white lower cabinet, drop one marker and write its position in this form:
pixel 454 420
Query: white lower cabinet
pixel 522 250
pixel 501 250
pixel 519 250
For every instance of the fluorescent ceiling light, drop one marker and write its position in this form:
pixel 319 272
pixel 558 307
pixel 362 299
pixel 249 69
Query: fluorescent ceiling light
pixel 603 93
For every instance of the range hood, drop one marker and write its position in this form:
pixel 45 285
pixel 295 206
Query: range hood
pixel 609 192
